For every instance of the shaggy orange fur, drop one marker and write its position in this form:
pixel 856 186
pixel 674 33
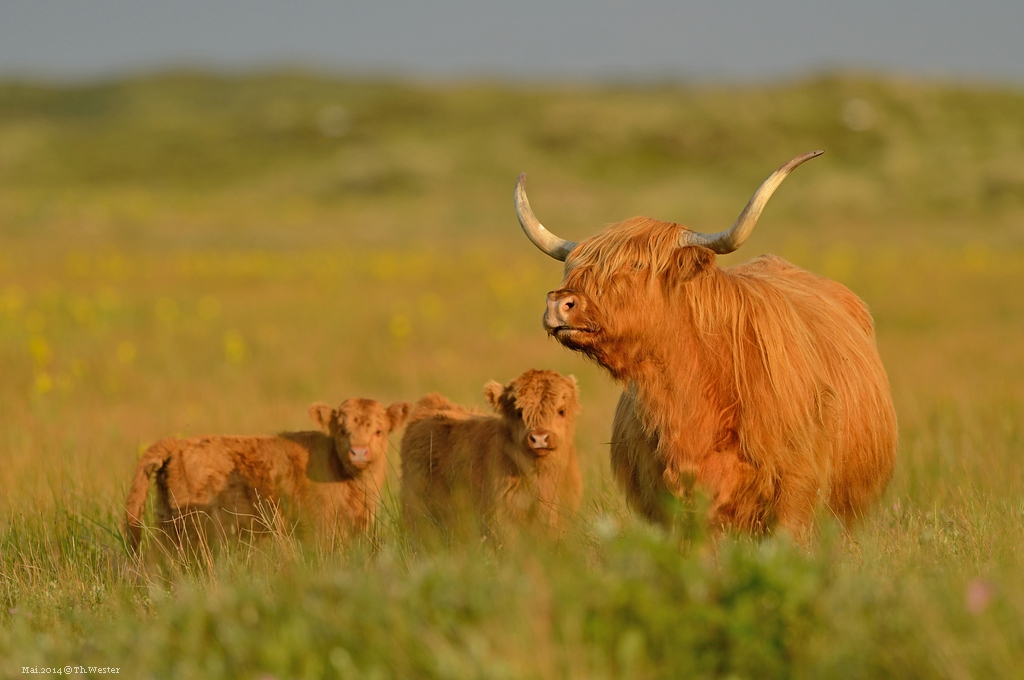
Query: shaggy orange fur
pixel 760 383
pixel 217 483
pixel 516 467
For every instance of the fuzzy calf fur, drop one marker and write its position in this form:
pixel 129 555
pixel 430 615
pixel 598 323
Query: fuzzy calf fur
pixel 463 470
pixel 219 482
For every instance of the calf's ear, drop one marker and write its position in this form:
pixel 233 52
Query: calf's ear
pixel 397 413
pixel 492 393
pixel 575 394
pixel 321 414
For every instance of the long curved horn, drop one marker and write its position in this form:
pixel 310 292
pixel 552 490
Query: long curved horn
pixel 557 248
pixel 732 238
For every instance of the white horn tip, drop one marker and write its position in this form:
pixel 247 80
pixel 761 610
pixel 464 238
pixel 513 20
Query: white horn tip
pixel 799 160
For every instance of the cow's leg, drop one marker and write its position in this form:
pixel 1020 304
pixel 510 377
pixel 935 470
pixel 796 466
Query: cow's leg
pixel 742 495
pixel 635 462
pixel 798 498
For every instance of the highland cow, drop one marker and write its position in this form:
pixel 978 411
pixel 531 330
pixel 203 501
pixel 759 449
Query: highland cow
pixel 467 472
pixel 217 485
pixel 758 384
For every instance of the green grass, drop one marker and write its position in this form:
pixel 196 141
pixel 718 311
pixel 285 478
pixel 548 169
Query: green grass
pixel 188 254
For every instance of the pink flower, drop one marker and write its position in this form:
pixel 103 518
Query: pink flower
pixel 978 595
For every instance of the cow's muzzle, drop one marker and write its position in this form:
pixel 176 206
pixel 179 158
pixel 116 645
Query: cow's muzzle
pixel 563 309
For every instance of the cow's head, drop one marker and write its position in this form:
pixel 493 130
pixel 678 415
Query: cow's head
pixel 360 428
pixel 615 282
pixel 540 409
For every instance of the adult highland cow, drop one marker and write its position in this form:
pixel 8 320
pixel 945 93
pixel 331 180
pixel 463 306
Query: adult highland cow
pixel 760 383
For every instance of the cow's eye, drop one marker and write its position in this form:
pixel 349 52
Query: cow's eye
pixel 561 411
pixel 379 433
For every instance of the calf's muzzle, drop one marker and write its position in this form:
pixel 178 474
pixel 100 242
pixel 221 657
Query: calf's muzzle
pixel 540 441
pixel 359 455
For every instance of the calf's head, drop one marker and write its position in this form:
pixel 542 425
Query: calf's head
pixel 360 428
pixel 539 408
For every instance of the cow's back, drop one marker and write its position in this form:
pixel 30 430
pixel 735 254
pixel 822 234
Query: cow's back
pixel 846 386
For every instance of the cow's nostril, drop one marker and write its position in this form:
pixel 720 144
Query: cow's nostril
pixel 561 309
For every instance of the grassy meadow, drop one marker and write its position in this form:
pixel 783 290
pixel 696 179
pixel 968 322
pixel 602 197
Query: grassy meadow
pixel 190 254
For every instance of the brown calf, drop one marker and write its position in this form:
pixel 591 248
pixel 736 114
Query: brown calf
pixel 219 482
pixel 517 466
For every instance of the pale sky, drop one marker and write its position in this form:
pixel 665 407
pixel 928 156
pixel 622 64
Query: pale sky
pixel 527 40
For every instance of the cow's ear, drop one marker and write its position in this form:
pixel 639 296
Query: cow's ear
pixel 690 262
pixel 322 414
pixel 397 414
pixel 492 393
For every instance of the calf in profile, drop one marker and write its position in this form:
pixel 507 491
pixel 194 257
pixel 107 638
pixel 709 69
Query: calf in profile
pixel 218 483
pixel 464 470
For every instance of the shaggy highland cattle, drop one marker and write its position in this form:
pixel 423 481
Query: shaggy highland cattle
pixel 467 472
pixel 215 486
pixel 759 384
